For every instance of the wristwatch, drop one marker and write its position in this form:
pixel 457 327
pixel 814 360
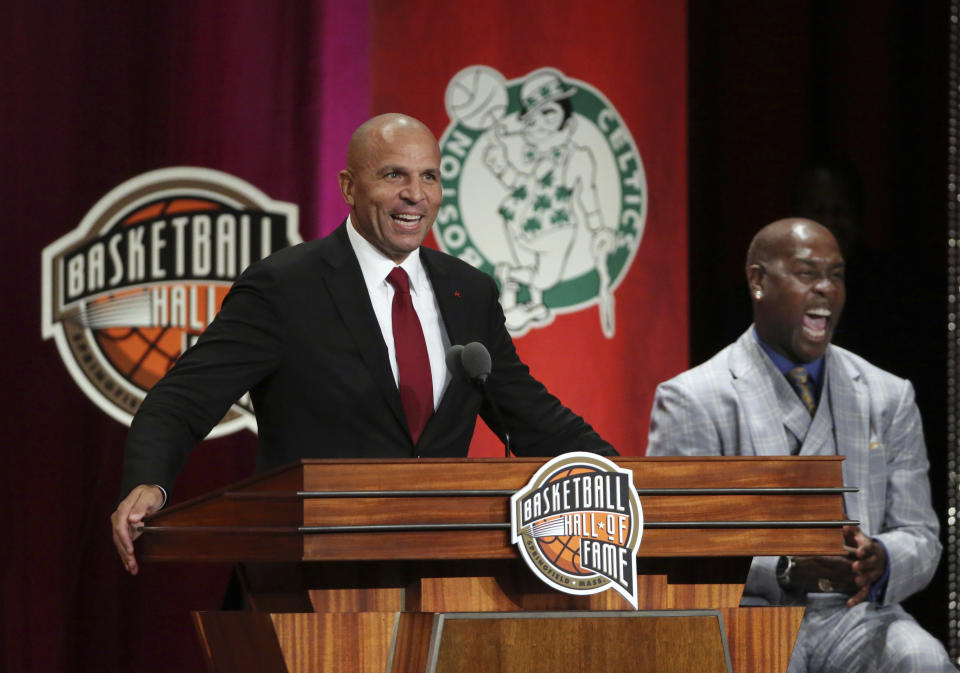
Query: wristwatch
pixel 784 569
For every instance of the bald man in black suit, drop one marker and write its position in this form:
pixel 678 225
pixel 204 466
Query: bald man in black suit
pixel 306 331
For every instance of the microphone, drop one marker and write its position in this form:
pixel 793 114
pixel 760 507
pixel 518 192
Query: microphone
pixel 476 361
pixel 454 362
pixel 474 364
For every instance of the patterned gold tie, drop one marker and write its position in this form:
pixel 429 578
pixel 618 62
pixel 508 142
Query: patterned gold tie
pixel 801 382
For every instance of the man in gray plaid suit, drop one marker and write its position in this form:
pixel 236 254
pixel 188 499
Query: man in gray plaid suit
pixel 783 389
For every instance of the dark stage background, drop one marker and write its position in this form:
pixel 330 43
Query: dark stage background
pixel 772 87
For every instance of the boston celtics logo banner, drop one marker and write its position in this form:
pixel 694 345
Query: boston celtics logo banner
pixel 551 159
pixel 563 138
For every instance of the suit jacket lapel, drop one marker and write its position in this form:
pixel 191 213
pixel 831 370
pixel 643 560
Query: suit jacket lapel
pixel 820 430
pixel 447 293
pixel 851 421
pixel 758 399
pixel 349 293
pixel 451 308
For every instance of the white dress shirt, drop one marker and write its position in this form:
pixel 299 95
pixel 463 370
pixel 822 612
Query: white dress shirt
pixel 375 267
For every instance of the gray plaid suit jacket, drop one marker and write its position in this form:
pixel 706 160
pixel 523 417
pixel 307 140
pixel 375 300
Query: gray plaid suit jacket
pixel 728 406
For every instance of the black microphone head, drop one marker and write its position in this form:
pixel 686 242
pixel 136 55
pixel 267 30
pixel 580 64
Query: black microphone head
pixel 455 362
pixel 476 361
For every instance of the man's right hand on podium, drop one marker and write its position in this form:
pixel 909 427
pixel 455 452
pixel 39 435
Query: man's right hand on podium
pixel 142 501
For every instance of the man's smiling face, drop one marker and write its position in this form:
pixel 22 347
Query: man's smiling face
pixel 392 185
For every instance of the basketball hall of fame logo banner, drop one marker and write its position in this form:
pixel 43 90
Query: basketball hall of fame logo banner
pixel 578 524
pixel 557 194
pixel 145 272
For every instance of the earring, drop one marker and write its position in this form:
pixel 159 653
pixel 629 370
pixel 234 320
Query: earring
pixel 758 294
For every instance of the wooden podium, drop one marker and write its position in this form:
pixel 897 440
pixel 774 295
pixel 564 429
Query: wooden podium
pixel 406 565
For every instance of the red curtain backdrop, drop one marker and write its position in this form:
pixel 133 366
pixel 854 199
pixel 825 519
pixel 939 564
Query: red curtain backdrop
pixel 92 95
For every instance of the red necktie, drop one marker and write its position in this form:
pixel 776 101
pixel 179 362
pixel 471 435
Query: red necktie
pixel 413 363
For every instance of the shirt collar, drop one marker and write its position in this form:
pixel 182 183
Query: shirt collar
pixel 375 265
pixel 785 364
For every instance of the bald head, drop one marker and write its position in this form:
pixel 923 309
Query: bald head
pixel 378 131
pixel 795 272
pixel 773 239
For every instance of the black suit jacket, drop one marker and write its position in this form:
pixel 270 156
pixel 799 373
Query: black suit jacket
pixel 298 331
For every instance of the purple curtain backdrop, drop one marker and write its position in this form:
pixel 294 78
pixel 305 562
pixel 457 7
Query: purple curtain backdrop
pixel 92 94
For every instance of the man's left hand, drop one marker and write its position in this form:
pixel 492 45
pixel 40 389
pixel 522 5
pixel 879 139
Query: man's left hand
pixel 869 561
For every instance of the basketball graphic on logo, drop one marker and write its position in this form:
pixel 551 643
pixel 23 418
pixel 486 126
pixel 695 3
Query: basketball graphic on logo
pixel 141 354
pixel 477 97
pixel 564 551
pixel 144 354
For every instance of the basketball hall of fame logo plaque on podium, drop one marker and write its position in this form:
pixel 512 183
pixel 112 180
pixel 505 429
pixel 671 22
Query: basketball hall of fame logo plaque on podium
pixel 578 524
